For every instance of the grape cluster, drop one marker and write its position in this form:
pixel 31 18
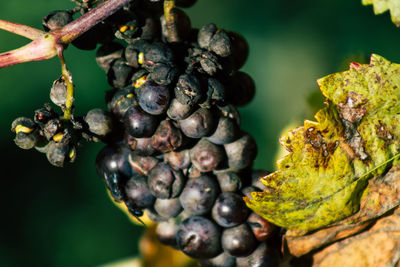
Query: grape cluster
pixel 174 147
pixel 48 132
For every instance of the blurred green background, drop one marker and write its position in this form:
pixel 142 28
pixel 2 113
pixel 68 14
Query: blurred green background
pixel 63 217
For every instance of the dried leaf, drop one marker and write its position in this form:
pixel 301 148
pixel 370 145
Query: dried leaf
pixel 381 6
pixel 355 138
pixel 379 246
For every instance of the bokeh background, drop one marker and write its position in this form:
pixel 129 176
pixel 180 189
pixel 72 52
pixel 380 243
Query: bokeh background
pixel 63 217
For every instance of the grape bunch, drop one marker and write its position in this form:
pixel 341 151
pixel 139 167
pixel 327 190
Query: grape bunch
pixel 174 147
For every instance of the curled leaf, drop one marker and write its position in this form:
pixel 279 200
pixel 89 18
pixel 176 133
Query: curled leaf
pixel 381 196
pixel 354 139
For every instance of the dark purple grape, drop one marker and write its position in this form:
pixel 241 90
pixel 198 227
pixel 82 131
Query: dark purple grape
pixel 153 98
pixel 138 193
pixel 100 33
pixel 188 90
pixel 220 44
pixel 200 123
pixel 99 122
pixel 113 167
pixel 242 89
pixel 163 74
pixel 165 182
pixel 185 3
pixel 43 115
pixel 121 101
pixel 119 73
pixel 198 237
pixel 178 159
pixel 167 137
pixel 238 241
pixel 58 153
pixel 240 50
pixel 168 208
pixel 178 111
pixel 229 181
pixel 107 53
pixel 154 53
pixel 205 35
pixel 263 256
pixel 199 194
pixel 193 172
pixel 231 112
pixel 142 164
pixel 56 20
pixel 141 146
pixel 241 153
pixel 26 133
pixel 52 127
pixel 227 131
pixel 154 216
pixel 150 29
pixel 166 232
pixel 229 210
pixel 215 93
pixel 206 156
pixel 133 53
pixel 210 63
pixel 222 260
pixel 58 92
pixel 138 123
pixel 262 229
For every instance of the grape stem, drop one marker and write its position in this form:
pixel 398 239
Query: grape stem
pixel 46 45
pixel 68 81
pixel 169 5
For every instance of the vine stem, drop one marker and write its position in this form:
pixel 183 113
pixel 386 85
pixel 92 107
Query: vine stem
pixel 46 45
pixel 74 29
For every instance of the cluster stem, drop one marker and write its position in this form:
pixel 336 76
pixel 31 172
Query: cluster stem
pixel 169 5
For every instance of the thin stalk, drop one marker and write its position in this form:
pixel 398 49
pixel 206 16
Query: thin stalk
pixel 170 21
pixel 69 101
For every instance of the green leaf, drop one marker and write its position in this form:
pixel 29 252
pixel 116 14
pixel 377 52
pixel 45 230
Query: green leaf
pixel 381 6
pixel 355 138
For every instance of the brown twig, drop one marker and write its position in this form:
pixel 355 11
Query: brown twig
pixel 48 45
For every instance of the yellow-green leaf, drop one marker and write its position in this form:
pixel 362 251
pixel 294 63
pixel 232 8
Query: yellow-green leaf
pixel 381 6
pixel 354 138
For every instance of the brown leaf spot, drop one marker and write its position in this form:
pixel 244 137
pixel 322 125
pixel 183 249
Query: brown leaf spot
pixel 383 133
pixel 352 109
